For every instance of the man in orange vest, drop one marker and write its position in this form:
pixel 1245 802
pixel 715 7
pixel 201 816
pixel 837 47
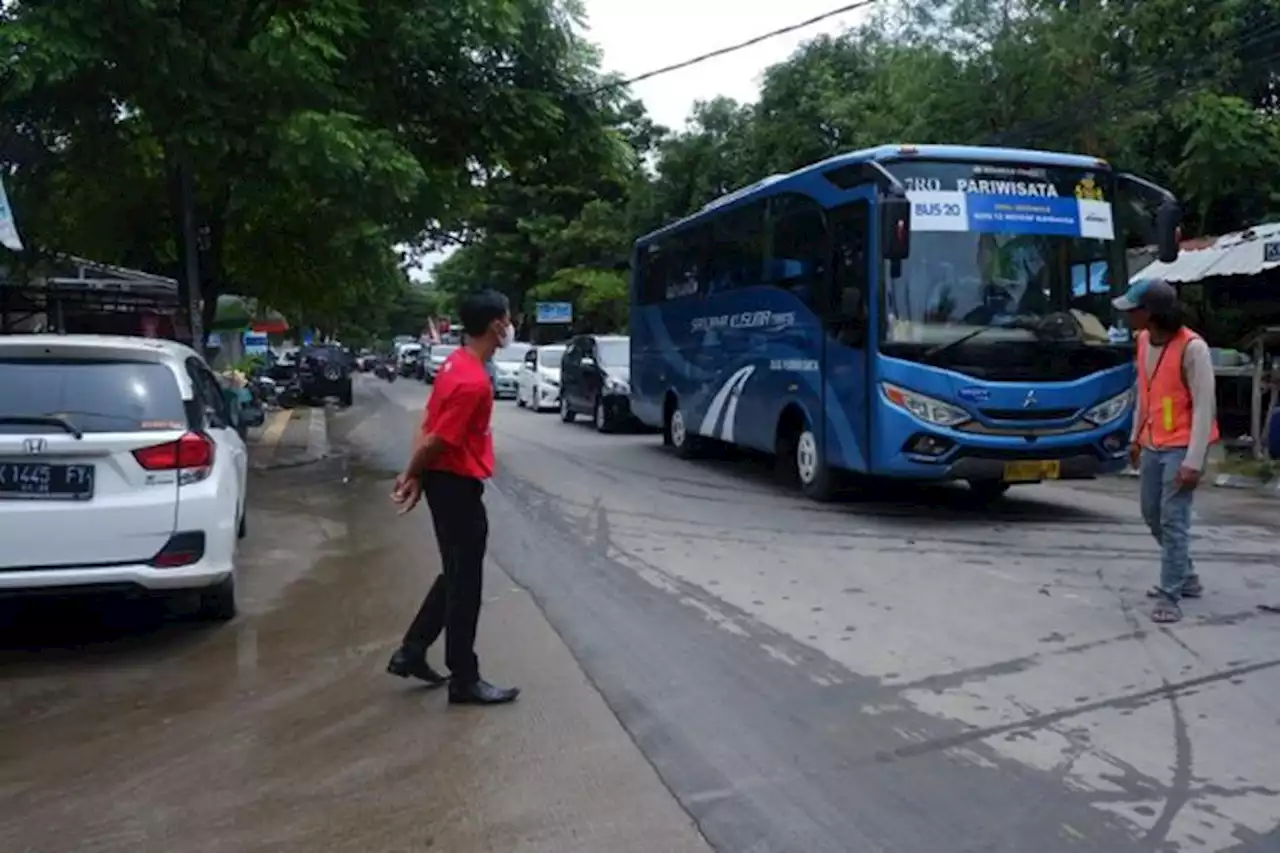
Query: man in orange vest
pixel 1174 424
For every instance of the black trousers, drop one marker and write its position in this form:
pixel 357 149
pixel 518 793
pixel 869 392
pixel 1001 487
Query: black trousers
pixel 453 603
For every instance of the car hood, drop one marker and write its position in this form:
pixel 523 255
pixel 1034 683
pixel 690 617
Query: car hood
pixel 505 368
pixel 623 373
pixel 552 373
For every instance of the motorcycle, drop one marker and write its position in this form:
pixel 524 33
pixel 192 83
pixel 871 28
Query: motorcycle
pixel 386 370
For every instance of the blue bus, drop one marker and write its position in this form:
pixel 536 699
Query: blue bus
pixel 916 312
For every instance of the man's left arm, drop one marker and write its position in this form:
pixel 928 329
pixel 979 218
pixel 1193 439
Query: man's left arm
pixel 1197 362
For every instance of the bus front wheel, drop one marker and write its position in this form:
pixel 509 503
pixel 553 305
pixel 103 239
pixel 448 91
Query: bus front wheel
pixel 988 491
pixel 802 461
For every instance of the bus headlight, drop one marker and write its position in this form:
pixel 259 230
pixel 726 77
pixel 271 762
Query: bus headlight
pixel 923 407
pixel 1110 410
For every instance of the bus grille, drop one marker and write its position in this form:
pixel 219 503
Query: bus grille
pixel 1024 415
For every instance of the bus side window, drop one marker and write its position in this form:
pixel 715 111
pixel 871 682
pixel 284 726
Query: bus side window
pixel 849 272
pixel 798 259
pixel 655 265
pixel 737 249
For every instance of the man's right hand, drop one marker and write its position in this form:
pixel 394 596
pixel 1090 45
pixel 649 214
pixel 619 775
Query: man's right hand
pixel 1135 455
pixel 406 493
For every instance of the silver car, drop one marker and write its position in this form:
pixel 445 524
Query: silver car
pixel 506 369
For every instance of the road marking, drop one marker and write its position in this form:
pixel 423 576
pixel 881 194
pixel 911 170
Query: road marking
pixel 317 434
pixel 272 433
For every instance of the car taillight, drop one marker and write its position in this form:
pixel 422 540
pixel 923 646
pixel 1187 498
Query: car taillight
pixel 191 455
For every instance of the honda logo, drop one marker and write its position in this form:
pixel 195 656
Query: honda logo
pixel 1030 400
pixel 34 446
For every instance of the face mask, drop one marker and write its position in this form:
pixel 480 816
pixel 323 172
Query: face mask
pixel 507 336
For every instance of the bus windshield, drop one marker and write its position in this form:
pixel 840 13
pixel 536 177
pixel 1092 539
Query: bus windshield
pixel 1004 253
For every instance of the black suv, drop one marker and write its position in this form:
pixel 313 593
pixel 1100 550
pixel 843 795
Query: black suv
pixel 595 379
pixel 324 371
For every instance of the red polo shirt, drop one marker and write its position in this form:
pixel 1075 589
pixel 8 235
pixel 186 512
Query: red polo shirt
pixel 458 412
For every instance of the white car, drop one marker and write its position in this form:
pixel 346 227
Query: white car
pixel 538 384
pixel 436 358
pixel 122 468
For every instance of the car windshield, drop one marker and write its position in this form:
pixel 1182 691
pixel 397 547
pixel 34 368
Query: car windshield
pixel 1003 253
pixel 513 354
pixel 91 396
pixel 614 353
pixel 551 356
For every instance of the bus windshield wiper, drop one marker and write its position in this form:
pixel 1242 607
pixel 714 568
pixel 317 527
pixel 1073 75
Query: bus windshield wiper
pixel 938 350
pixel 42 420
pixel 1024 322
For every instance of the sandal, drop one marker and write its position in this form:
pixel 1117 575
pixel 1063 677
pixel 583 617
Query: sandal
pixel 1190 589
pixel 1166 612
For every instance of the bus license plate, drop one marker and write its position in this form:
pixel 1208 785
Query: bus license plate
pixel 1030 471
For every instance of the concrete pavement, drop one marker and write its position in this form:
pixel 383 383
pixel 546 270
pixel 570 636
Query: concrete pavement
pixel 902 672
pixel 121 730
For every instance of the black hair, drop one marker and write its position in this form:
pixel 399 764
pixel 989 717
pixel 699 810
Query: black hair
pixel 1166 318
pixel 481 308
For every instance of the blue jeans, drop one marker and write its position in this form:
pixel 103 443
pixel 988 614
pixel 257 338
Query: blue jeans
pixel 1167 511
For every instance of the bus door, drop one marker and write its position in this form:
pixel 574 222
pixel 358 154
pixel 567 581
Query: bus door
pixel 847 395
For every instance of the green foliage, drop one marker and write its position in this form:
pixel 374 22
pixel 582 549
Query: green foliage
pixel 1183 93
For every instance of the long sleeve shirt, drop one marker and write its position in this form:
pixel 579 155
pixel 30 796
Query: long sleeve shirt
pixel 1197 368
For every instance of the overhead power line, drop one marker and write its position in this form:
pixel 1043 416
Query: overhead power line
pixel 734 48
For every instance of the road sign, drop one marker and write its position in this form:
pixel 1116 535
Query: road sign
pixel 555 312
pixel 255 343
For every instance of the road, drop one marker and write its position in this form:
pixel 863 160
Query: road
pixel 902 672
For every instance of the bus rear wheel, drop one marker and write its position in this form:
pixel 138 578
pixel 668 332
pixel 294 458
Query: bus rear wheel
pixel 678 435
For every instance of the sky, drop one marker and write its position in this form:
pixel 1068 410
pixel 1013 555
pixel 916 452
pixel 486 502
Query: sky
pixel 636 37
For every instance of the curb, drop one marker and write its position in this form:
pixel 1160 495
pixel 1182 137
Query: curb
pixel 1239 482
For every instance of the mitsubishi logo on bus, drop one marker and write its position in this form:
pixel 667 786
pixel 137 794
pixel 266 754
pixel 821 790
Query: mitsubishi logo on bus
pixel 34 446
pixel 1030 400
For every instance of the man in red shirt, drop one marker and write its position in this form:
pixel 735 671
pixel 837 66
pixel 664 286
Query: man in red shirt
pixel 451 459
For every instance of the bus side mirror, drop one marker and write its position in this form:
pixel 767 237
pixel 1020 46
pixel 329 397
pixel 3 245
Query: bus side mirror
pixel 895 226
pixel 1168 231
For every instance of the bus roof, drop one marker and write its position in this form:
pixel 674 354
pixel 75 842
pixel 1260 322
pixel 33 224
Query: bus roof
pixel 882 153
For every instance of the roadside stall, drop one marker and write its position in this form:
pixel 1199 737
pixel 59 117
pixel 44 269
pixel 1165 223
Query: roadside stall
pixel 71 295
pixel 1230 286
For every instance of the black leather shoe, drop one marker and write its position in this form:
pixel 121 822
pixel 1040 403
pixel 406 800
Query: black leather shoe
pixel 481 693
pixel 404 664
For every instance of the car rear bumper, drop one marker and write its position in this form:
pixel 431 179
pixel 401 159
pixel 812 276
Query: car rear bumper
pixel 137 576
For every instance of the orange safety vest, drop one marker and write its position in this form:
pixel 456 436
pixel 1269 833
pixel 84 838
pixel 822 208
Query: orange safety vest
pixel 1164 399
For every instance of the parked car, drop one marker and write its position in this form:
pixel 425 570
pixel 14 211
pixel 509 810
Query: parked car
pixel 324 371
pixel 122 468
pixel 595 379
pixel 435 359
pixel 506 366
pixel 538 384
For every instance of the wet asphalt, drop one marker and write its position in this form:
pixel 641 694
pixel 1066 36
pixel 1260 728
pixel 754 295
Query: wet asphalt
pixel 901 671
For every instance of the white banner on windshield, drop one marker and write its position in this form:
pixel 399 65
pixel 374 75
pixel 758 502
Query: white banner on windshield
pixel 952 210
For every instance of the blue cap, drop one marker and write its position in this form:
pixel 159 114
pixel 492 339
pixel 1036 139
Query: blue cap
pixel 1150 294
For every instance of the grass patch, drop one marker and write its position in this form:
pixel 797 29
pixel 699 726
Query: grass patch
pixel 1247 466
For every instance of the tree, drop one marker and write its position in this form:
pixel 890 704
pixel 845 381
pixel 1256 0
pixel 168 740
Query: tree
pixel 319 134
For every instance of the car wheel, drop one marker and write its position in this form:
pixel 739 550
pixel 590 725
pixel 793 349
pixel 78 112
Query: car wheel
pixel 988 491
pixel 218 602
pixel 519 401
pixel 601 417
pixel 566 414
pixel 686 444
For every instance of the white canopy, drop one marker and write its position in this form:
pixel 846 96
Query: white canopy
pixel 1246 252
